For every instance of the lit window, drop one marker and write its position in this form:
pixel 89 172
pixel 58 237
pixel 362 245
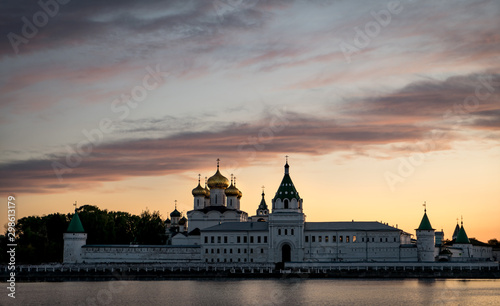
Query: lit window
pixel 326 238
pixel 341 239
pixel 346 238
pixel 319 238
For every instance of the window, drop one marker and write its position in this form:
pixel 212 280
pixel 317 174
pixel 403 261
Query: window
pixel 286 231
pixel 373 239
pixel 206 239
pixel 313 238
pixel 245 251
pixel 218 251
pixel 385 239
pixel 225 251
pixel 380 239
pixel 239 251
pixel 225 239
pixel 346 238
pixel 292 231
pixel 262 251
pixel 251 239
pixel 251 251
pixel 334 238
pixel 206 251
pixel 218 239
pixel 341 239
pixel 279 231
pixel 245 239
pixel 258 239
pixel 230 251
pixel 265 239
pixel 307 238
pixel 286 204
pixel 212 251
pixel 319 238
pixel 326 238
pixel 353 238
pixel 238 239
pixel 394 239
pixel 212 239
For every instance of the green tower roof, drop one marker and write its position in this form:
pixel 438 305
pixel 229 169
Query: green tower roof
pixel 462 236
pixel 263 205
pixel 287 189
pixel 425 224
pixel 75 226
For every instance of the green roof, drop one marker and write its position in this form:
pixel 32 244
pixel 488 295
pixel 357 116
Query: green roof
pixel 287 189
pixel 462 236
pixel 75 226
pixel 263 205
pixel 175 213
pixel 425 224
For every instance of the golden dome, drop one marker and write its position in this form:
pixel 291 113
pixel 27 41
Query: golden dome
pixel 199 191
pixel 232 191
pixel 218 180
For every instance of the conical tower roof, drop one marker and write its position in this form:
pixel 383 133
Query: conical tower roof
pixel 425 224
pixel 462 236
pixel 455 232
pixel 75 226
pixel 263 204
pixel 287 188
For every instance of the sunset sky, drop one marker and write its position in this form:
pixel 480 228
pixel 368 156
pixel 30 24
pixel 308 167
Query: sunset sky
pixel 379 105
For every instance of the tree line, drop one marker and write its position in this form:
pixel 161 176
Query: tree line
pixel 40 239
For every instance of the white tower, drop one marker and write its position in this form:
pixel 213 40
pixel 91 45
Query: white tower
pixel 74 239
pixel 286 223
pixel 425 239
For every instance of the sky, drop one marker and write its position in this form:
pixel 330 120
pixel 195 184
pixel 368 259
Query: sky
pixel 380 106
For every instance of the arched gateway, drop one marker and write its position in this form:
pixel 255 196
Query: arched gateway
pixel 286 253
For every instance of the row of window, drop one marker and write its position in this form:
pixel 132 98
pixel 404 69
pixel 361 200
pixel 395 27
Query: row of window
pixel 346 239
pixel 226 260
pixel 334 238
pixel 285 231
pixel 230 251
pixel 253 239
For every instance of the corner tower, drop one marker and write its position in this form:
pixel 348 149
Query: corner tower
pixel 425 239
pixel 74 239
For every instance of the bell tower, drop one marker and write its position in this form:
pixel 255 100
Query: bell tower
pixel 286 222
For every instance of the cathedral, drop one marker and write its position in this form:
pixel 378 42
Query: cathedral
pixel 216 230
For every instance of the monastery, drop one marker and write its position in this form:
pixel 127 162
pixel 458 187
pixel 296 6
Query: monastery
pixel 216 230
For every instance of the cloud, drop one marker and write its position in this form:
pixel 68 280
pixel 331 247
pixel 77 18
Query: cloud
pixel 387 125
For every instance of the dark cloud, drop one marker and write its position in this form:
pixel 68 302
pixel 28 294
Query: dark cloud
pixel 389 124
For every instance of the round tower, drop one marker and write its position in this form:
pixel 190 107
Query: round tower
pixel 74 239
pixel 425 239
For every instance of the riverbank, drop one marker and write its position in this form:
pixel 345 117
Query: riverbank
pixel 106 272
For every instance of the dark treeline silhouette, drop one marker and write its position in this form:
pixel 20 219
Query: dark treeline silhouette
pixel 40 239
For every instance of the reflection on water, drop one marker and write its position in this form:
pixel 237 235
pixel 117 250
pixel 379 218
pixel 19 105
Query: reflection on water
pixel 261 292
